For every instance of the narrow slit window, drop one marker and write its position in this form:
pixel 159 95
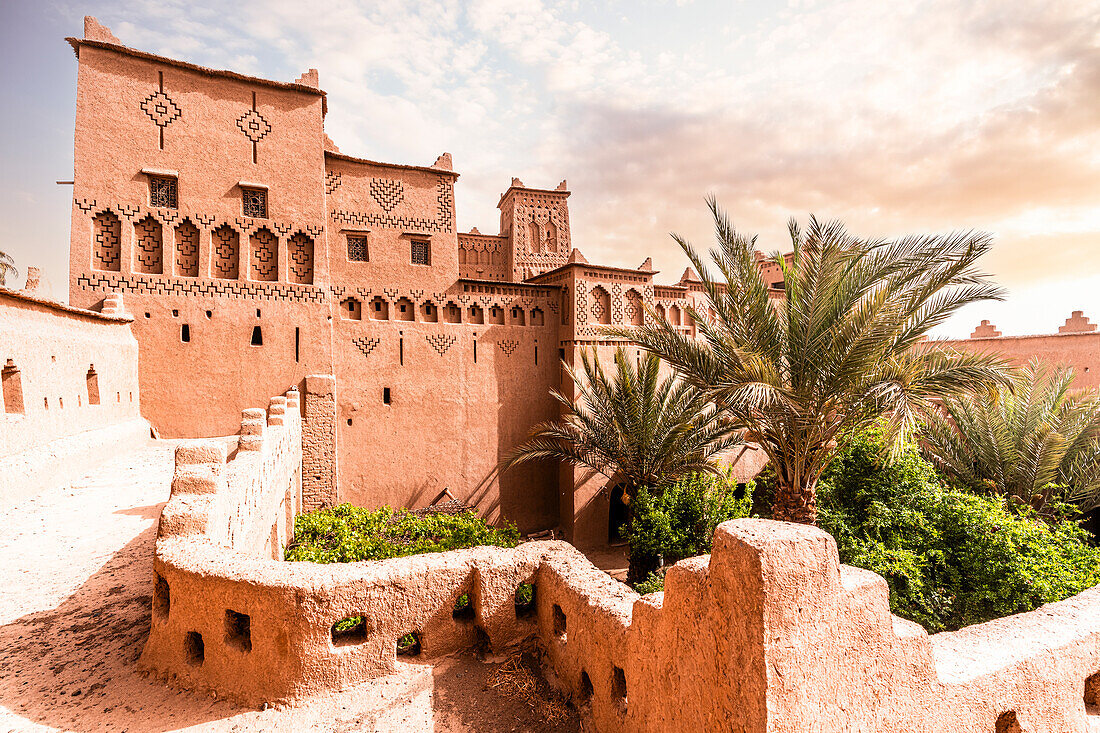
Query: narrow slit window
pixel 13 389
pixel 385 395
pixel 185 333
pixel 297 343
pixel 257 336
pixel 92 380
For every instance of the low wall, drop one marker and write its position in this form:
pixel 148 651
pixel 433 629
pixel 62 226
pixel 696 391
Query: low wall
pixel 70 392
pixel 769 633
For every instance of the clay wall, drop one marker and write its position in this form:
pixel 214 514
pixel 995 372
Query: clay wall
pixel 426 405
pixel 70 392
pixel 482 256
pixel 768 632
pixel 1077 345
pixel 202 272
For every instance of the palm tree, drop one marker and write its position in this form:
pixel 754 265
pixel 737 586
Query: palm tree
pixel 7 267
pixel 1039 441
pixel 837 352
pixel 632 426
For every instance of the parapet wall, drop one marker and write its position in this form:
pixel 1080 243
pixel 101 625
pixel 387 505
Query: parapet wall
pixel 70 391
pixel 769 633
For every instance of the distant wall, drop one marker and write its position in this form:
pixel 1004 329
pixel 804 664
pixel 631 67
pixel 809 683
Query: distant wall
pixel 70 392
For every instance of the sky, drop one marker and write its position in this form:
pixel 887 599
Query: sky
pixel 894 117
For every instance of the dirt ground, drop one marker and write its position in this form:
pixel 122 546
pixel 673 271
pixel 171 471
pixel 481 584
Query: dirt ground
pixel 76 574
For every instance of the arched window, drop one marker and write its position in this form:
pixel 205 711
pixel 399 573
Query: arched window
pixel 106 242
pixel 299 251
pixel 404 310
pixel 263 256
pixel 476 314
pixel 148 247
pixel 519 318
pixel 635 312
pixel 429 313
pixel 351 309
pixel 379 309
pixel 227 252
pixel 187 249
pixel 601 305
pixel 452 313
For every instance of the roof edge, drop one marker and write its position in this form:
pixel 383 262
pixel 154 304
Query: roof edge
pixel 401 166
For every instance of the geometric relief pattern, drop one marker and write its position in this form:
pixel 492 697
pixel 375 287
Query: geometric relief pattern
pixel 440 342
pixel 365 344
pixel 508 346
pixel 601 305
pixel 187 249
pixel 264 256
pixel 635 313
pixel 145 285
pixel 300 252
pixel 148 247
pixel 227 252
pixel 387 193
pixel 106 248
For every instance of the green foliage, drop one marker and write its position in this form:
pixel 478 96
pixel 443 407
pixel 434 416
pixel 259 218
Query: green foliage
pixel 1036 443
pixel 631 425
pixel 951 558
pixel 347 623
pixel 679 520
pixel 653 583
pixel 346 533
pixel 836 351
pixel 525 595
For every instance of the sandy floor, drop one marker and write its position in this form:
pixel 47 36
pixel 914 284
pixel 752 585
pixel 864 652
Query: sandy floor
pixel 76 568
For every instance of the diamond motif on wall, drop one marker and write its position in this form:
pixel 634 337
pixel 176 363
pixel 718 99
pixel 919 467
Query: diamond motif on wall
pixel 161 109
pixel 387 193
pixel 440 342
pixel 300 250
pixel 253 125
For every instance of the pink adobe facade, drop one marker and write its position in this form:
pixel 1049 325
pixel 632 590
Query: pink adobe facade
pixel 443 345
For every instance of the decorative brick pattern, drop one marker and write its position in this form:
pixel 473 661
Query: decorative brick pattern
pixel 508 346
pixel 387 193
pixel 366 344
pixel 107 249
pixel 616 303
pixel 201 288
pixel 254 125
pixel 444 221
pixel 332 181
pixel 85 205
pixel 227 252
pixel 601 305
pixel 440 342
pixel 160 108
pixel 148 247
pixel 187 249
pixel 300 252
pixel 264 256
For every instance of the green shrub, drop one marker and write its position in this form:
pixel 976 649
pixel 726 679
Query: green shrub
pixel 951 558
pixel 678 520
pixel 653 583
pixel 346 533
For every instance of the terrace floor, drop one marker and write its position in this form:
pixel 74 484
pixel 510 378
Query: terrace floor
pixel 76 569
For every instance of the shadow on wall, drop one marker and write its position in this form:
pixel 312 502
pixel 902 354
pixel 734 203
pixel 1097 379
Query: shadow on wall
pixel 72 667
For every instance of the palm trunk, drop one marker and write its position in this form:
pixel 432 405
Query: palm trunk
pixel 795 503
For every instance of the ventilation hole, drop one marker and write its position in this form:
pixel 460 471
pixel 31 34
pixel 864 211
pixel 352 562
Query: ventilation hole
pixel 185 333
pixel 586 687
pixel 385 395
pixel 162 598
pixel 193 650
pixel 408 645
pixel 209 314
pixel 618 688
pixel 525 600
pixel 559 623
pixel 463 609
pixel 483 645
pixel 349 631
pixel 175 313
pixel 1092 691
pixel 61 403
pixel 46 402
pixel 349 422
pixel 257 336
pixel 238 631
pixel 146 315
pixel 1007 723
pixel 257 312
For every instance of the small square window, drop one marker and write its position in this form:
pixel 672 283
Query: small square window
pixel 357 248
pixel 162 192
pixel 255 202
pixel 421 253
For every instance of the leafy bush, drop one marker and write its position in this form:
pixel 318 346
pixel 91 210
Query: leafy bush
pixel 346 533
pixel 951 558
pixel 678 520
pixel 653 583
